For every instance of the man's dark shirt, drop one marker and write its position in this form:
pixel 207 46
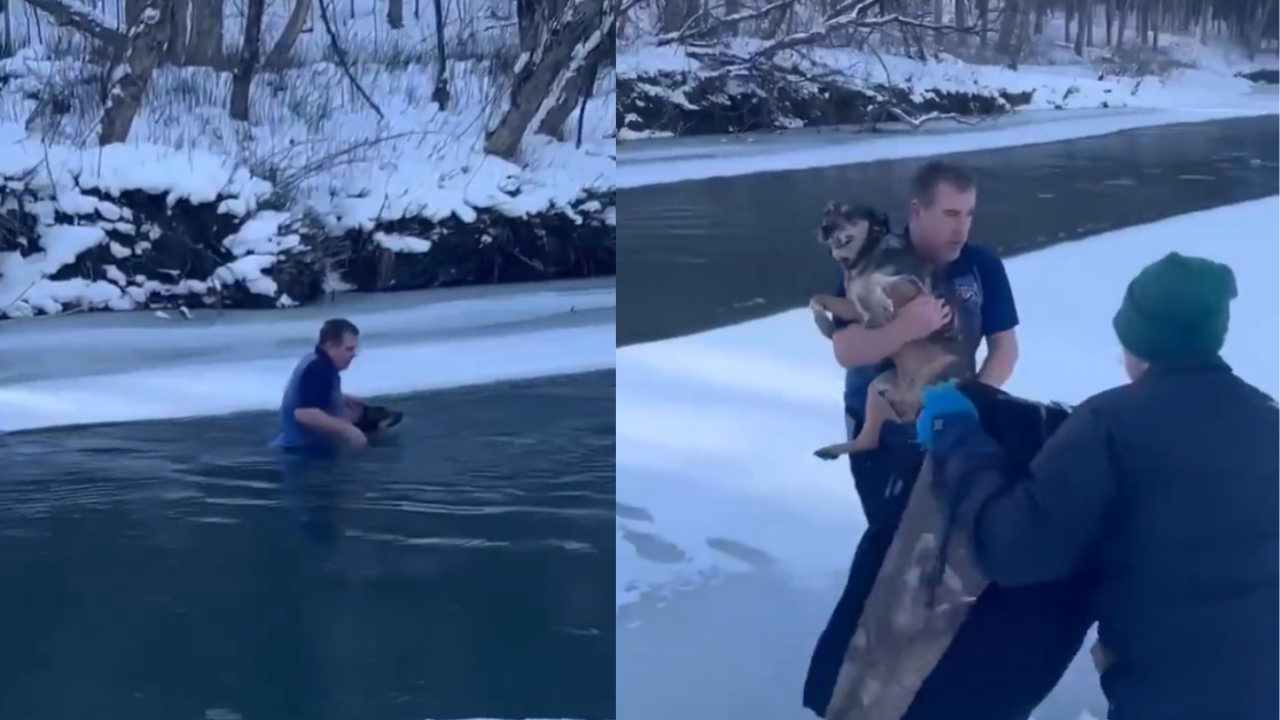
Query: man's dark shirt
pixel 315 383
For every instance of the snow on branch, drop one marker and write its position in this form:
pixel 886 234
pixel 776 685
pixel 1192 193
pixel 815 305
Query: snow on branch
pixel 83 19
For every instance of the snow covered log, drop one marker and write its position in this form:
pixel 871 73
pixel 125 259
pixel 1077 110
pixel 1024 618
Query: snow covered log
pixel 118 228
pixel 686 103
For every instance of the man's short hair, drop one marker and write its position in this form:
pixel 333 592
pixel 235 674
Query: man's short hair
pixel 929 177
pixel 335 329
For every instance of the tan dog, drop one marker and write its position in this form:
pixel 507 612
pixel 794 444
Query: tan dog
pixel 881 274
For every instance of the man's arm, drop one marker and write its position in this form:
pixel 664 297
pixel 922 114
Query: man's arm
pixel 999 321
pixel 856 346
pixel 1002 356
pixel 1027 530
pixel 315 391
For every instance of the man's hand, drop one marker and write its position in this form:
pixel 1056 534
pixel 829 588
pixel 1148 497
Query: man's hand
pixel 1102 657
pixel 353 438
pixel 823 322
pixel 922 317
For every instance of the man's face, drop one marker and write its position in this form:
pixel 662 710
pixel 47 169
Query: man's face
pixel 940 230
pixel 343 351
pixel 1134 366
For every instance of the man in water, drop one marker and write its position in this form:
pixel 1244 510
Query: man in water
pixel 1165 489
pixel 1016 644
pixel 315 416
pixel 315 421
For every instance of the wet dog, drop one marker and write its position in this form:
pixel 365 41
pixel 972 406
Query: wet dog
pixel 881 274
pixel 376 419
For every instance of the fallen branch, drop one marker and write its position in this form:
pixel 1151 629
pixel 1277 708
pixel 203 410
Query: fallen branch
pixel 82 19
pixel 344 63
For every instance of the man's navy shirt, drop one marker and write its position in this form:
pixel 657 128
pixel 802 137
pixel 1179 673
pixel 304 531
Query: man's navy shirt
pixel 315 383
pixel 978 280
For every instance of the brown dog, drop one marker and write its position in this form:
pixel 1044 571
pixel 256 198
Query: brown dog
pixel 881 274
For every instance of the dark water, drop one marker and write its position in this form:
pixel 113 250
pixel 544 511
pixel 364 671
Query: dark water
pixel 158 571
pixel 704 254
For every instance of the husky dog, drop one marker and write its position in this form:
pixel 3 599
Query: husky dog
pixel 881 274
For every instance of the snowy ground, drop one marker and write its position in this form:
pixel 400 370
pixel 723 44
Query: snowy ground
pixel 88 369
pixel 311 111
pixel 730 532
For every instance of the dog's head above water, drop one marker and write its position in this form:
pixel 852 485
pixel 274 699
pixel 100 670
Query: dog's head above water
pixel 847 229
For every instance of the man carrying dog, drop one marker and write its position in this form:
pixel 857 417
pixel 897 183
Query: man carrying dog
pixel 1016 643
pixel 1164 489
pixel 315 416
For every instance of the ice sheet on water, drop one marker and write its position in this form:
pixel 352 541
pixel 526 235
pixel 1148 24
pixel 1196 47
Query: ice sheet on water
pixel 835 150
pixel 715 431
pixel 147 368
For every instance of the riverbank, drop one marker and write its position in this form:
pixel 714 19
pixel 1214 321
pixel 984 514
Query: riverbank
pixel 675 91
pixel 323 191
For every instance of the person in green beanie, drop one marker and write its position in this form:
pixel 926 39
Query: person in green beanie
pixel 1163 492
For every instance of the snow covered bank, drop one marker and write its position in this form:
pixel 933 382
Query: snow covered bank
pixel 666 91
pixel 348 173
pixel 715 476
pixel 126 226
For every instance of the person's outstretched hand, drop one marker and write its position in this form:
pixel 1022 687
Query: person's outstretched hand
pixel 943 404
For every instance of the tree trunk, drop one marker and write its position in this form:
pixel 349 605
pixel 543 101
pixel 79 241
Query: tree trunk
pixel 1081 20
pixel 205 47
pixel 1008 27
pixel 527 24
pixel 148 38
pixel 440 93
pixel 179 32
pixel 675 15
pixel 542 89
pixel 242 79
pixel 293 27
pixel 395 14
pixel 984 21
pixel 1111 21
pixel 581 79
pixel 1155 24
pixel 1088 28
pixel 1122 9
pixel 1068 15
pixel 962 14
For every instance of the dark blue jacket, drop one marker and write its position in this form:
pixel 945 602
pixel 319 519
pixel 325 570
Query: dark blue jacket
pixel 1165 490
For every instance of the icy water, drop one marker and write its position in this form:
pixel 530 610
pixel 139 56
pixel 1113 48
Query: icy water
pixel 159 571
pixel 709 253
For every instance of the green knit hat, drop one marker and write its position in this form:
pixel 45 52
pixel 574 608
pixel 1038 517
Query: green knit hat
pixel 1177 309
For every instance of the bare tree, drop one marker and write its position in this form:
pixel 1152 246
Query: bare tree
pixel 544 91
pixel 207 20
pixel 148 38
pixel 293 28
pixel 440 93
pixel 242 78
pixel 180 32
